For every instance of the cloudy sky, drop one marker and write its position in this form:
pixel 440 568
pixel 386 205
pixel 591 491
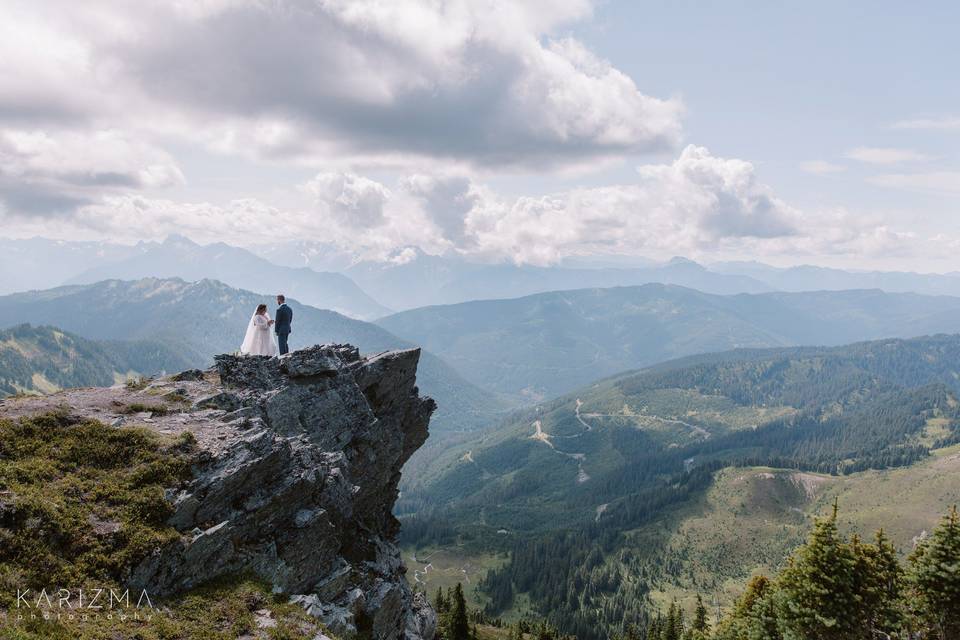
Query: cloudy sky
pixel 815 132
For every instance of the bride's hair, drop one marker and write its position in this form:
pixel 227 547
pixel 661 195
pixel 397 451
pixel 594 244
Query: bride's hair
pixel 261 309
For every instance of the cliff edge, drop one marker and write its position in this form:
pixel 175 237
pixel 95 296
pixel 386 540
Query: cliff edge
pixel 294 476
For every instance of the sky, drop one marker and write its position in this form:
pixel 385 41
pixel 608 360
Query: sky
pixel 791 133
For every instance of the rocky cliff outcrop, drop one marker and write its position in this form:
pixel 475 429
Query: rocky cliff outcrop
pixel 296 474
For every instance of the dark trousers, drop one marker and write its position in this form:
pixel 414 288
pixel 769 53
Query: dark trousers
pixel 282 342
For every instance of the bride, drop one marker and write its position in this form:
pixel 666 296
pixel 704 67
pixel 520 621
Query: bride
pixel 259 338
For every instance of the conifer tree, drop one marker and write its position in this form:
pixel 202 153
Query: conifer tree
pixel 655 628
pixel 878 583
pixel 440 603
pixel 700 617
pixel 458 626
pixel 754 616
pixel 817 588
pixel 935 578
pixel 673 629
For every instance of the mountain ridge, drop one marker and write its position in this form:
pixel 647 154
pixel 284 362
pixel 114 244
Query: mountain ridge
pixel 177 256
pixel 546 344
pixel 200 319
pixel 46 359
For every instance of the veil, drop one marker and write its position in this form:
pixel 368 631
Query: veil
pixel 247 346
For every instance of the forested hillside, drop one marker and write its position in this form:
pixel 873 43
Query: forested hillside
pixel 580 481
pixel 46 359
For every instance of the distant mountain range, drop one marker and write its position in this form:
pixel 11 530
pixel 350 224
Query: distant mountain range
pixel 812 278
pixel 46 359
pixel 424 280
pixel 198 320
pixel 178 257
pixel 411 278
pixel 327 276
pixel 544 345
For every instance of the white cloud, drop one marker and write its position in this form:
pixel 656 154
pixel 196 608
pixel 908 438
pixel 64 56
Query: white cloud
pixel 821 167
pixel 946 182
pixel 694 203
pixel 946 123
pixel 699 205
pixel 348 199
pixel 367 82
pixel 46 172
pixel 885 155
pixel 447 201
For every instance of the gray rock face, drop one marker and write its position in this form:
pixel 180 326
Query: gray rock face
pixel 297 473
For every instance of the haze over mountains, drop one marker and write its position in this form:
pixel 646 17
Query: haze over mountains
pixel 813 278
pixel 547 344
pixel 430 280
pixel 178 257
pixel 39 263
pixel 326 276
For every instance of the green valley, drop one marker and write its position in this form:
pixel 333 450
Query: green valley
pixel 687 477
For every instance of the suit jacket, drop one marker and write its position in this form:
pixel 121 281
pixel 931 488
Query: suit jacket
pixel 284 319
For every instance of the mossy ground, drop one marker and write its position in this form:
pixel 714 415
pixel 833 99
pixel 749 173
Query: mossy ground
pixel 226 609
pixel 80 504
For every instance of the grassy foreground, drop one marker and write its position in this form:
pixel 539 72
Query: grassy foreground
pixel 80 504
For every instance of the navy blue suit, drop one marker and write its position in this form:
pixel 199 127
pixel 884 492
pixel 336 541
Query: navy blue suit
pixel 282 325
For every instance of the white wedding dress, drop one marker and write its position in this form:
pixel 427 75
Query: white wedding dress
pixel 259 339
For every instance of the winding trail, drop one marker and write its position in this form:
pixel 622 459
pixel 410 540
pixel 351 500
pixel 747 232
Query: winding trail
pixel 417 573
pixel 580 419
pixel 547 438
pixel 697 430
pixel 544 437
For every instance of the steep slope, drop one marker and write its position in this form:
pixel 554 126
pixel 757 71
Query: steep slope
pixel 547 344
pixel 286 471
pixel 200 319
pixel 178 257
pixel 46 359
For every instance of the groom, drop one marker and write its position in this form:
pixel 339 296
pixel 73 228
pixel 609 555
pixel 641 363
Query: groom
pixel 282 324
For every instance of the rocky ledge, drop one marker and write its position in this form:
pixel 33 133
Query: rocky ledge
pixel 295 478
